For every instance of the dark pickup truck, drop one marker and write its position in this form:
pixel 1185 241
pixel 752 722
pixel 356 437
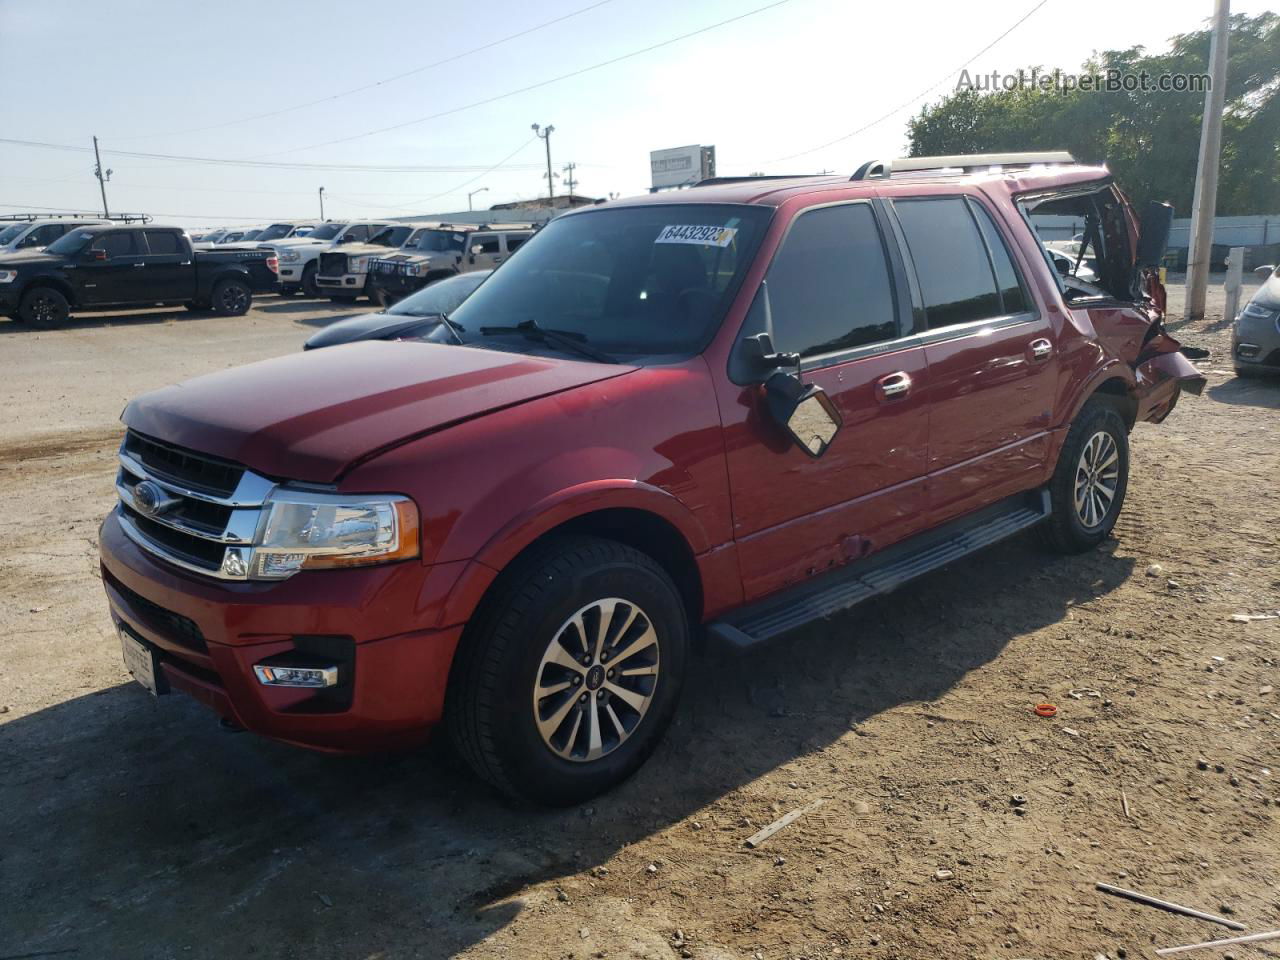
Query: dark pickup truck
pixel 106 267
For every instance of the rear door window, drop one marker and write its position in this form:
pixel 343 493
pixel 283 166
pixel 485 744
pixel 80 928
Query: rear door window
pixel 488 243
pixel 829 287
pixel 163 242
pixel 1013 297
pixel 951 261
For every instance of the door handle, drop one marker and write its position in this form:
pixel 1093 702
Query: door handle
pixel 1041 349
pixel 139 264
pixel 893 385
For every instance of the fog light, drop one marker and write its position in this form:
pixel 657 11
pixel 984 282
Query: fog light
pixel 1247 350
pixel 296 676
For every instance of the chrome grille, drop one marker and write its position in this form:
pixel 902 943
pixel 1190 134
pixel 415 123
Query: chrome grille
pixel 211 512
pixel 333 264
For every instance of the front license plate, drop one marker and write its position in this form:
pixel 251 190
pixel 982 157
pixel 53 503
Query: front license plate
pixel 140 660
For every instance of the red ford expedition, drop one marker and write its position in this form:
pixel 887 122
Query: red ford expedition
pixel 716 413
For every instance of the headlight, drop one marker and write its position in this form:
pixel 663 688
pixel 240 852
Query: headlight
pixel 1255 311
pixel 410 269
pixel 289 256
pixel 318 532
pixel 8 276
pixel 357 264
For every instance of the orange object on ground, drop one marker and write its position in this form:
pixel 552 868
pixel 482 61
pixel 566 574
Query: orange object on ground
pixel 1046 710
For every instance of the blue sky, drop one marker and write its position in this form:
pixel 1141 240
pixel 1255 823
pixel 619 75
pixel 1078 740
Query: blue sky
pixel 167 77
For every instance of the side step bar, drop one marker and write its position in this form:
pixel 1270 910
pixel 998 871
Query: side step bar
pixel 880 573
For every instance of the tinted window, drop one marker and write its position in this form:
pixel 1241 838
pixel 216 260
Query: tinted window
pixel 1012 297
pixel 645 280
pixel 515 243
pixel 828 287
pixel 488 243
pixel 120 244
pixel 72 242
pixel 357 234
pixel 951 261
pixel 443 296
pixel 391 236
pixel 163 242
pixel 8 233
pixel 326 231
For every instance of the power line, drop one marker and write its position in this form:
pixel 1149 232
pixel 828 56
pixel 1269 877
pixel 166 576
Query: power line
pixel 282 165
pixel 538 85
pixel 382 82
pixel 256 218
pixel 919 96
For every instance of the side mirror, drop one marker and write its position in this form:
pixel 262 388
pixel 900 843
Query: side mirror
pixel 804 411
pixel 95 255
pixel 477 250
pixel 1264 273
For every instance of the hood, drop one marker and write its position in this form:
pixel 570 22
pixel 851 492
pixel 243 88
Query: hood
pixel 26 258
pixel 366 326
pixel 310 416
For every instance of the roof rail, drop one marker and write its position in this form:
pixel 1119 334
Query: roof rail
pixel 716 181
pixel 963 162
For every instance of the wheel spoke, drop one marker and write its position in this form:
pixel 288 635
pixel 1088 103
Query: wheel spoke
pixel 562 657
pixel 647 639
pixel 549 727
pixel 632 699
pixel 547 691
pixel 649 671
pixel 573 734
pixel 593 730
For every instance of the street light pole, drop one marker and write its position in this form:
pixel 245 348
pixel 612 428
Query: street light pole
pixel 102 177
pixel 473 193
pixel 545 134
pixel 322 204
pixel 1206 194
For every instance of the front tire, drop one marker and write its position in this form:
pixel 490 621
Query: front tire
pixel 44 308
pixel 570 672
pixel 1088 486
pixel 309 286
pixel 231 298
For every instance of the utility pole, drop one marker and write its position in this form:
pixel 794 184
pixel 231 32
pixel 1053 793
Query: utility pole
pixel 545 134
pixel 103 177
pixel 569 180
pixel 473 193
pixel 322 204
pixel 1206 194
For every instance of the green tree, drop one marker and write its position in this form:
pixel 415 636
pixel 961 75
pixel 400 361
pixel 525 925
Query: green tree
pixel 1149 139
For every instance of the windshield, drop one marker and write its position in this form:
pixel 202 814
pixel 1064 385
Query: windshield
pixel 391 236
pixel 443 296
pixel 277 231
pixel 8 233
pixel 72 242
pixel 326 231
pixel 441 241
pixel 637 281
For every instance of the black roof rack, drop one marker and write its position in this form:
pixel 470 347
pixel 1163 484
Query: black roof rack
pixel 960 162
pixel 715 181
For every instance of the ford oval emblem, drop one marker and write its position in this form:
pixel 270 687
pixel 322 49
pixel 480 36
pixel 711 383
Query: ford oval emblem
pixel 149 499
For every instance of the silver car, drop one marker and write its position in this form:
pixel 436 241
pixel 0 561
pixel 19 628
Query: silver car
pixel 1255 337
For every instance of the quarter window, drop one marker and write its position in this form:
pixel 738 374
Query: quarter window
pixel 951 261
pixel 828 288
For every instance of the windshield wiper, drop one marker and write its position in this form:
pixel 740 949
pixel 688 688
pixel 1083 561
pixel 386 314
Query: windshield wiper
pixel 560 338
pixel 449 325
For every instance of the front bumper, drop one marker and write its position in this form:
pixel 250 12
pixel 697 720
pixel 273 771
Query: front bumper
pixel 343 283
pixel 395 286
pixel 208 636
pixel 1255 341
pixel 8 299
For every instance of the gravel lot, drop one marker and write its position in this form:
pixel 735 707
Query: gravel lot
pixel 138 829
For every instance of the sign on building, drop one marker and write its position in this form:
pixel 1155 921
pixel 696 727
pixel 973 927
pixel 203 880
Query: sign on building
pixel 681 166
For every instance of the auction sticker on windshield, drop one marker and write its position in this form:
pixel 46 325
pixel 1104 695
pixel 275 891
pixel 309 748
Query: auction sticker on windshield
pixel 703 235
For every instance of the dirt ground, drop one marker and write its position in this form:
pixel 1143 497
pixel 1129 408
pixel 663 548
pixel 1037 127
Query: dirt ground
pixel 133 828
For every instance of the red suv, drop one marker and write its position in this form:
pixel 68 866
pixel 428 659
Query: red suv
pixel 716 413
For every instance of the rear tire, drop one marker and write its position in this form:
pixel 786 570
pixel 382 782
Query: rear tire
pixel 522 701
pixel 231 298
pixel 309 286
pixel 44 308
pixel 1088 486
pixel 335 298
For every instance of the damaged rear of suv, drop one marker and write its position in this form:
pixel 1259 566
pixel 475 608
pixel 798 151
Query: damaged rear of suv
pixel 715 415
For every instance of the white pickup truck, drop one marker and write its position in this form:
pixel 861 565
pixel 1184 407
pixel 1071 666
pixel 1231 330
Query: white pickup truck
pixel 344 271
pixel 300 256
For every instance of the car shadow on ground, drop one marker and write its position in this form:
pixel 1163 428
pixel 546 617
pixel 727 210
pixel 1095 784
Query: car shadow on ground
pixel 286 305
pixel 1249 391
pixel 91 321
pixel 136 828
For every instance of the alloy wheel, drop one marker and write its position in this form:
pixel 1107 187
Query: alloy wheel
pixel 234 298
pixel 1097 479
pixel 596 680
